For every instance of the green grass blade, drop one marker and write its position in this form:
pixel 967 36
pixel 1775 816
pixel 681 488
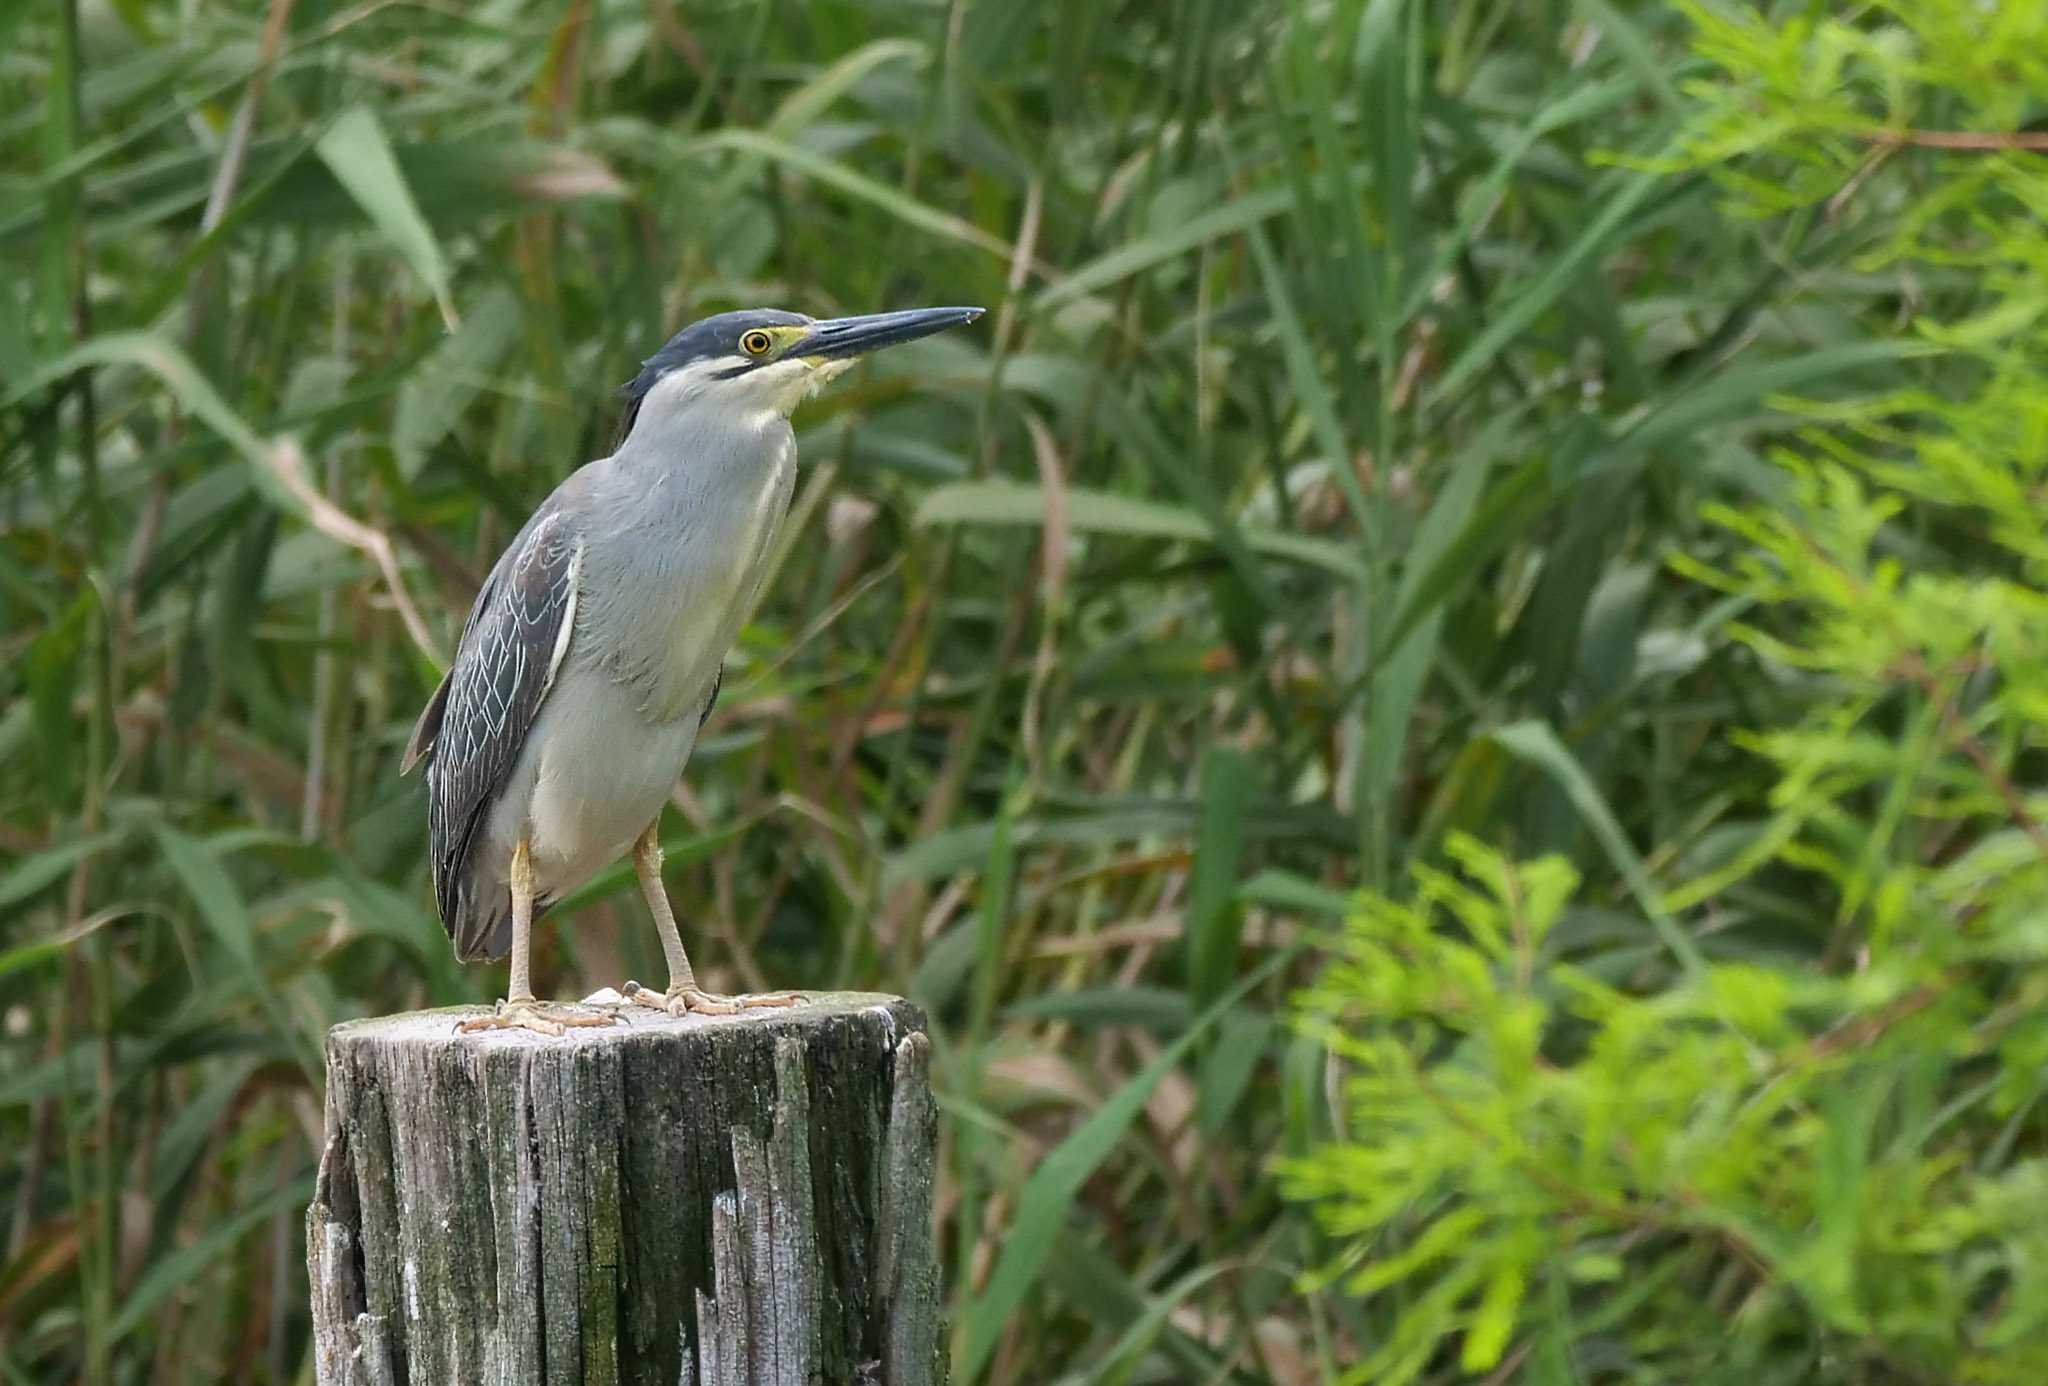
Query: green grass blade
pixel 356 151
pixel 1125 1355
pixel 1234 217
pixel 1098 512
pixel 1509 509
pixel 861 188
pixel 1213 919
pixel 1397 682
pixel 811 100
pixel 178 1270
pixel 1745 389
pixel 1536 744
pixel 225 914
pixel 1047 1197
pixel 168 363
pixel 434 396
pixel 1509 319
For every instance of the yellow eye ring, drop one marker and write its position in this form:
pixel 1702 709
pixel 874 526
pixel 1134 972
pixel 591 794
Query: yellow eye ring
pixel 756 343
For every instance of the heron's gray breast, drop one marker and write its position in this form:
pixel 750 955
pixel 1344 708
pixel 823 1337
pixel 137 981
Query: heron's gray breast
pixel 594 774
pixel 679 556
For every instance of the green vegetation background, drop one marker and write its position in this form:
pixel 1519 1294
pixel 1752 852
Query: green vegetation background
pixel 1444 704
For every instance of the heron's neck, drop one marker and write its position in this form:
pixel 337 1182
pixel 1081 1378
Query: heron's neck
pixel 689 432
pixel 687 512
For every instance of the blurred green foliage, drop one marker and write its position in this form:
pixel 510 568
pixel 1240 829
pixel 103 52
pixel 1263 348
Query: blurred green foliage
pixel 1323 490
pixel 1814 1152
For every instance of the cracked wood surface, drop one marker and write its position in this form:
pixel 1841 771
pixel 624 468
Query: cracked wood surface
pixel 711 1201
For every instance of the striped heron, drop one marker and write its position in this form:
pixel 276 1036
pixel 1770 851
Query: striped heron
pixel 592 654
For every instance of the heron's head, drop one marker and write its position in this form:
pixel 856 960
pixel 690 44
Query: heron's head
pixel 763 362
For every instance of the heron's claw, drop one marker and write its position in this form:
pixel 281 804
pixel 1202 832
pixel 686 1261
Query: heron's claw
pixel 681 1001
pixel 529 1014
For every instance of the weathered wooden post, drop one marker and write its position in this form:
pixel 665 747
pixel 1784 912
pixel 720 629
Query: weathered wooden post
pixel 711 1201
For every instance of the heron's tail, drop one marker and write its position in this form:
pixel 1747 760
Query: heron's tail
pixel 481 929
pixel 478 919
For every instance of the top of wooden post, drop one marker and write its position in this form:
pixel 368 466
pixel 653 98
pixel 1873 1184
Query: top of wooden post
pixel 895 1016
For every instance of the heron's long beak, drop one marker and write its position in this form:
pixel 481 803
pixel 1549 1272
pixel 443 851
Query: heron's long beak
pixel 843 338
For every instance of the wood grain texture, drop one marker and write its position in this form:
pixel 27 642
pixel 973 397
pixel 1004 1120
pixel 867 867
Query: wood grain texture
pixel 709 1201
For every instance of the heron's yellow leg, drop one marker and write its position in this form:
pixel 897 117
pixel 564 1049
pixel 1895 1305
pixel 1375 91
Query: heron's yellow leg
pixel 519 1010
pixel 683 995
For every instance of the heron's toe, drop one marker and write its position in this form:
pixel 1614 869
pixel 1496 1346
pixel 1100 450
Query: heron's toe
pixel 681 1001
pixel 768 999
pixel 529 1014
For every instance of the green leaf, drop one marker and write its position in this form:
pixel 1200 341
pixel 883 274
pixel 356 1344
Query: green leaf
pixel 1226 1069
pixel 1284 890
pixel 1098 512
pixel 221 908
pixel 811 100
pixel 947 964
pixel 1213 921
pixel 860 187
pixel 1640 52
pixel 1396 682
pixel 998 872
pixel 1508 320
pixel 1048 1195
pixel 182 1267
pixel 1237 214
pixel 38 950
pixel 1128 1351
pixel 1535 743
pixel 357 153
pixel 1493 1321
pixel 226 916
pixel 1510 508
pixel 1092 1282
pixel 1154 1008
pixel 1743 389
pixel 73 1073
pixel 162 358
pixel 435 394
pixel 184 1137
pixel 53 669
pixel 1483 203
pixel 1312 390
pixel 967 846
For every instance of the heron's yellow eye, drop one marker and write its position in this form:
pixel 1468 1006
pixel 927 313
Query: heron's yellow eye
pixel 756 343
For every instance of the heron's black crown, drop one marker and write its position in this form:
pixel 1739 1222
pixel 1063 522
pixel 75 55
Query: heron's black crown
pixel 705 340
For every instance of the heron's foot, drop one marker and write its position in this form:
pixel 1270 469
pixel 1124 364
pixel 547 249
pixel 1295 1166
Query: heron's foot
pixel 539 1017
pixel 680 1001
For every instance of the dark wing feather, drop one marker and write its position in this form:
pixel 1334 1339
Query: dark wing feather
pixel 502 671
pixel 426 729
pixel 711 699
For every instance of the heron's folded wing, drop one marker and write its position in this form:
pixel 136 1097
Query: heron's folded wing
pixel 510 650
pixel 711 698
pixel 428 728
pixel 427 731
